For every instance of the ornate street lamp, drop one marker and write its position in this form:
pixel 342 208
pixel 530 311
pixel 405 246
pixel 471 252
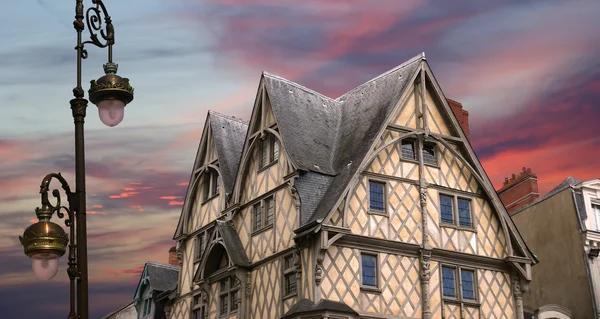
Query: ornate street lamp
pixel 44 242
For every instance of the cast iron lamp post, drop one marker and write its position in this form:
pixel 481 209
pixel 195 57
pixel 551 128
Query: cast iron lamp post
pixel 44 242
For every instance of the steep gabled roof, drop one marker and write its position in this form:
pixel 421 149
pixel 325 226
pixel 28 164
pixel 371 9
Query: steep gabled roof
pixel 229 134
pixel 161 277
pixel 233 244
pixel 328 138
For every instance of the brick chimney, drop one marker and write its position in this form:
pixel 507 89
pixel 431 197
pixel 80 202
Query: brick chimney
pixel 519 190
pixel 461 115
pixel 173 259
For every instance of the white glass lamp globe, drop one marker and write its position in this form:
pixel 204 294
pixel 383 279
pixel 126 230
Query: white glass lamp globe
pixel 45 266
pixel 111 112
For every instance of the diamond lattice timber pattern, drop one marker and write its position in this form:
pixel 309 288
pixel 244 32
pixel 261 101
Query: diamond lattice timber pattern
pixel 320 207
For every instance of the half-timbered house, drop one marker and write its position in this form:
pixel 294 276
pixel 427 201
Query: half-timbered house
pixel 371 205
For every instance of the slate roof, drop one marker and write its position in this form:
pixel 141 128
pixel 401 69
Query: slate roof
pixel 229 135
pixel 233 244
pixel 329 138
pixel 306 305
pixel 162 277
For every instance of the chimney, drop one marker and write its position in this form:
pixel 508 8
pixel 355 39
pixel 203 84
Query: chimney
pixel 519 190
pixel 173 259
pixel 461 115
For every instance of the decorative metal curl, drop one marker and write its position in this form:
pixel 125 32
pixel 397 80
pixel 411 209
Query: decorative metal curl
pixel 99 22
pixel 58 207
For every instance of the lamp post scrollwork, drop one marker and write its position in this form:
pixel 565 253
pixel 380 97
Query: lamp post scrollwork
pixel 45 242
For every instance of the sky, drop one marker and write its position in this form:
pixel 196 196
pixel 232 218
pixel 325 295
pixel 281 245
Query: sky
pixel 528 72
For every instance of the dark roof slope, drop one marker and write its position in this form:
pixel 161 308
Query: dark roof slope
pixel 307 122
pixel 162 277
pixel 229 135
pixel 233 244
pixel 306 305
pixel 330 138
pixel 364 112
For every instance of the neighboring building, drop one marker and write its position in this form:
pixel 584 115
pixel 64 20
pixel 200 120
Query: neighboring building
pixel 156 279
pixel 563 230
pixel 127 312
pixel 371 205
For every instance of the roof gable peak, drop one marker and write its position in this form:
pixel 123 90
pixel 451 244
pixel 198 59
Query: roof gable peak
pixel 401 66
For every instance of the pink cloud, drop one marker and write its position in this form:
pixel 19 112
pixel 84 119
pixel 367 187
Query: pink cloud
pixel 175 203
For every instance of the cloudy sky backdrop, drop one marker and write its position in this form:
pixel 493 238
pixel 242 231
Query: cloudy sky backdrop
pixel 527 71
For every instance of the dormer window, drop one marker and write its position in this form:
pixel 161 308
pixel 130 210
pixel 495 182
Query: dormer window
pixel 211 184
pixel 269 150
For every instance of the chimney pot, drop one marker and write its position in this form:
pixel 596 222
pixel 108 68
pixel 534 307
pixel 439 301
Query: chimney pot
pixel 173 259
pixel 519 191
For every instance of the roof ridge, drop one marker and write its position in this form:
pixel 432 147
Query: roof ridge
pixel 406 63
pixel 299 86
pixel 228 117
pixel 163 265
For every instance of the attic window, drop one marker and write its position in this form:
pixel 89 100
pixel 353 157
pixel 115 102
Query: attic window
pixel 408 150
pixel 269 150
pixel 429 156
pixel 211 184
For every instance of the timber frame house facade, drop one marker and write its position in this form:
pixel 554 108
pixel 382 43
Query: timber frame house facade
pixel 371 205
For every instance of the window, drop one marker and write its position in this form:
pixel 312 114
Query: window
pixel 461 216
pixel 467 283
pixel 290 284
pixel 270 206
pixel 408 150
pixel 263 213
pixel 377 196
pixel 449 284
pixel 369 270
pixel 464 213
pixel 257 212
pixel 596 211
pixel 201 243
pixel 197 310
pixel 211 184
pixel 269 150
pixel 446 209
pixel 429 154
pixel 229 295
pixel 235 300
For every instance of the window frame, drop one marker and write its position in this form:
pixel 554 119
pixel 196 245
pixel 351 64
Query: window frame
pixel 228 294
pixel 458 285
pixel 436 152
pixel 197 255
pixel 211 184
pixel 264 222
pixel 366 287
pixel 384 183
pixel 266 151
pixel 289 272
pixel 455 212
pixel 197 305
pixel 414 142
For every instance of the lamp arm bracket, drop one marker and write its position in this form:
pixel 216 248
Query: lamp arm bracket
pixel 57 207
pixel 99 25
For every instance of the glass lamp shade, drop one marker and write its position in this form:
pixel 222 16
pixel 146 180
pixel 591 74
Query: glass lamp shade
pixel 111 112
pixel 45 266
